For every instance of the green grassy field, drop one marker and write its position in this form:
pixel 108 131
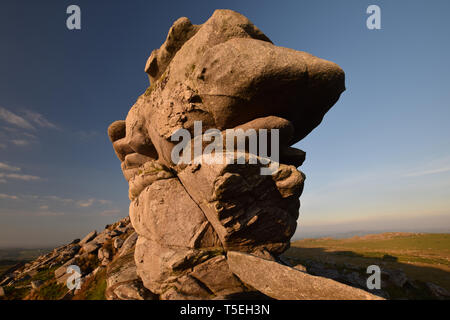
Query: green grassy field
pixel 421 256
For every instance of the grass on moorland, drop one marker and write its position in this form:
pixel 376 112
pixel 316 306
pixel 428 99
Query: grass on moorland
pixel 423 257
pixel 93 288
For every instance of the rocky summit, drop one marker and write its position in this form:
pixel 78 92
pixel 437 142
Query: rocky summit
pixel 209 230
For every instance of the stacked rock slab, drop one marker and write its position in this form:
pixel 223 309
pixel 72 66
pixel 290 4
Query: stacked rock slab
pixel 227 74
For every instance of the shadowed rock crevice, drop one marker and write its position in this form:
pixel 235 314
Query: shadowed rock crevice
pixel 202 229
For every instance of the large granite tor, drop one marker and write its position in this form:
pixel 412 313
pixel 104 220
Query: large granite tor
pixel 227 74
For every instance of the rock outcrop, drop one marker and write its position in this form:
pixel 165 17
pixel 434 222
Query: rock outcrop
pixel 224 74
pixel 107 271
pixel 286 283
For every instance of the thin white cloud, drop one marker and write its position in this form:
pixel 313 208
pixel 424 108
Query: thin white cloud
pixel 20 142
pixel 427 172
pixel 39 119
pixel 7 196
pixel 56 198
pixel 29 135
pixel 434 166
pixel 110 213
pixel 14 119
pixel 16 134
pixel 86 203
pixel 50 214
pixel 91 201
pixel 26 121
pixel 11 136
pixel 11 129
pixel 54 206
pixel 24 177
pixel 7 167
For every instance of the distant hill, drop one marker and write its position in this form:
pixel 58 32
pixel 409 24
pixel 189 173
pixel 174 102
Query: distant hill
pixel 333 231
pixel 22 254
pixel 413 265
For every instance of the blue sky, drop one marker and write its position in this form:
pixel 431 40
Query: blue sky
pixel 380 158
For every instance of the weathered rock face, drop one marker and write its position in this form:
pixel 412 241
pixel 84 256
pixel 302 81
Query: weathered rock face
pixel 226 74
pixel 286 283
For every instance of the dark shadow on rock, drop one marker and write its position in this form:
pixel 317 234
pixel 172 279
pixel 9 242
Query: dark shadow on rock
pixel 388 257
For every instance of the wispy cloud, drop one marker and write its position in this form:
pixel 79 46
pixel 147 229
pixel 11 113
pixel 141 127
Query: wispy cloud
pixel 91 201
pixel 86 203
pixel 16 133
pixel 26 121
pixel 67 201
pixel 55 206
pixel 7 196
pixel 39 119
pixel 110 213
pixel 16 136
pixel 16 176
pixel 24 177
pixel 20 142
pixel 50 214
pixel 427 172
pixel 14 119
pixel 56 198
pixel 434 166
pixel 29 135
pixel 7 167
